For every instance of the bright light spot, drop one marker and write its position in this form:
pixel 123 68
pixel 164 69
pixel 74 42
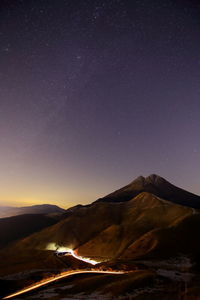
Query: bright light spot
pixel 67 250
pixel 51 246
pixel 63 249
pixel 57 248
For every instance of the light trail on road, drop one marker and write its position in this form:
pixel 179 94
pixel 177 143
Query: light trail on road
pixel 60 276
pixel 63 250
pixel 87 260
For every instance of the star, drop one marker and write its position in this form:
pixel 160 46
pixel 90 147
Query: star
pixel 7 49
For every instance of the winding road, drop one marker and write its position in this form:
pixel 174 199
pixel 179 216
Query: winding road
pixel 57 277
pixel 64 274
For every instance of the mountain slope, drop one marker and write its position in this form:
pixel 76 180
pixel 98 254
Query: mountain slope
pixel 178 239
pixel 140 215
pixel 156 185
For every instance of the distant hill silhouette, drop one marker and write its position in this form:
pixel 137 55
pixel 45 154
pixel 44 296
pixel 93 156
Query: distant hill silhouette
pixel 8 211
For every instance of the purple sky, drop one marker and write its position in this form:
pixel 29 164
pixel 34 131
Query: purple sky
pixel 95 93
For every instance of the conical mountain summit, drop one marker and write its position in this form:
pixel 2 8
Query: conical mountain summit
pixel 157 186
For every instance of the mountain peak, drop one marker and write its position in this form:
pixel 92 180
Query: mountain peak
pixel 153 176
pixel 139 179
pixel 154 179
pixel 157 186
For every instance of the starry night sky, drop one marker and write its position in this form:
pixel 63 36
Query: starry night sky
pixel 94 93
